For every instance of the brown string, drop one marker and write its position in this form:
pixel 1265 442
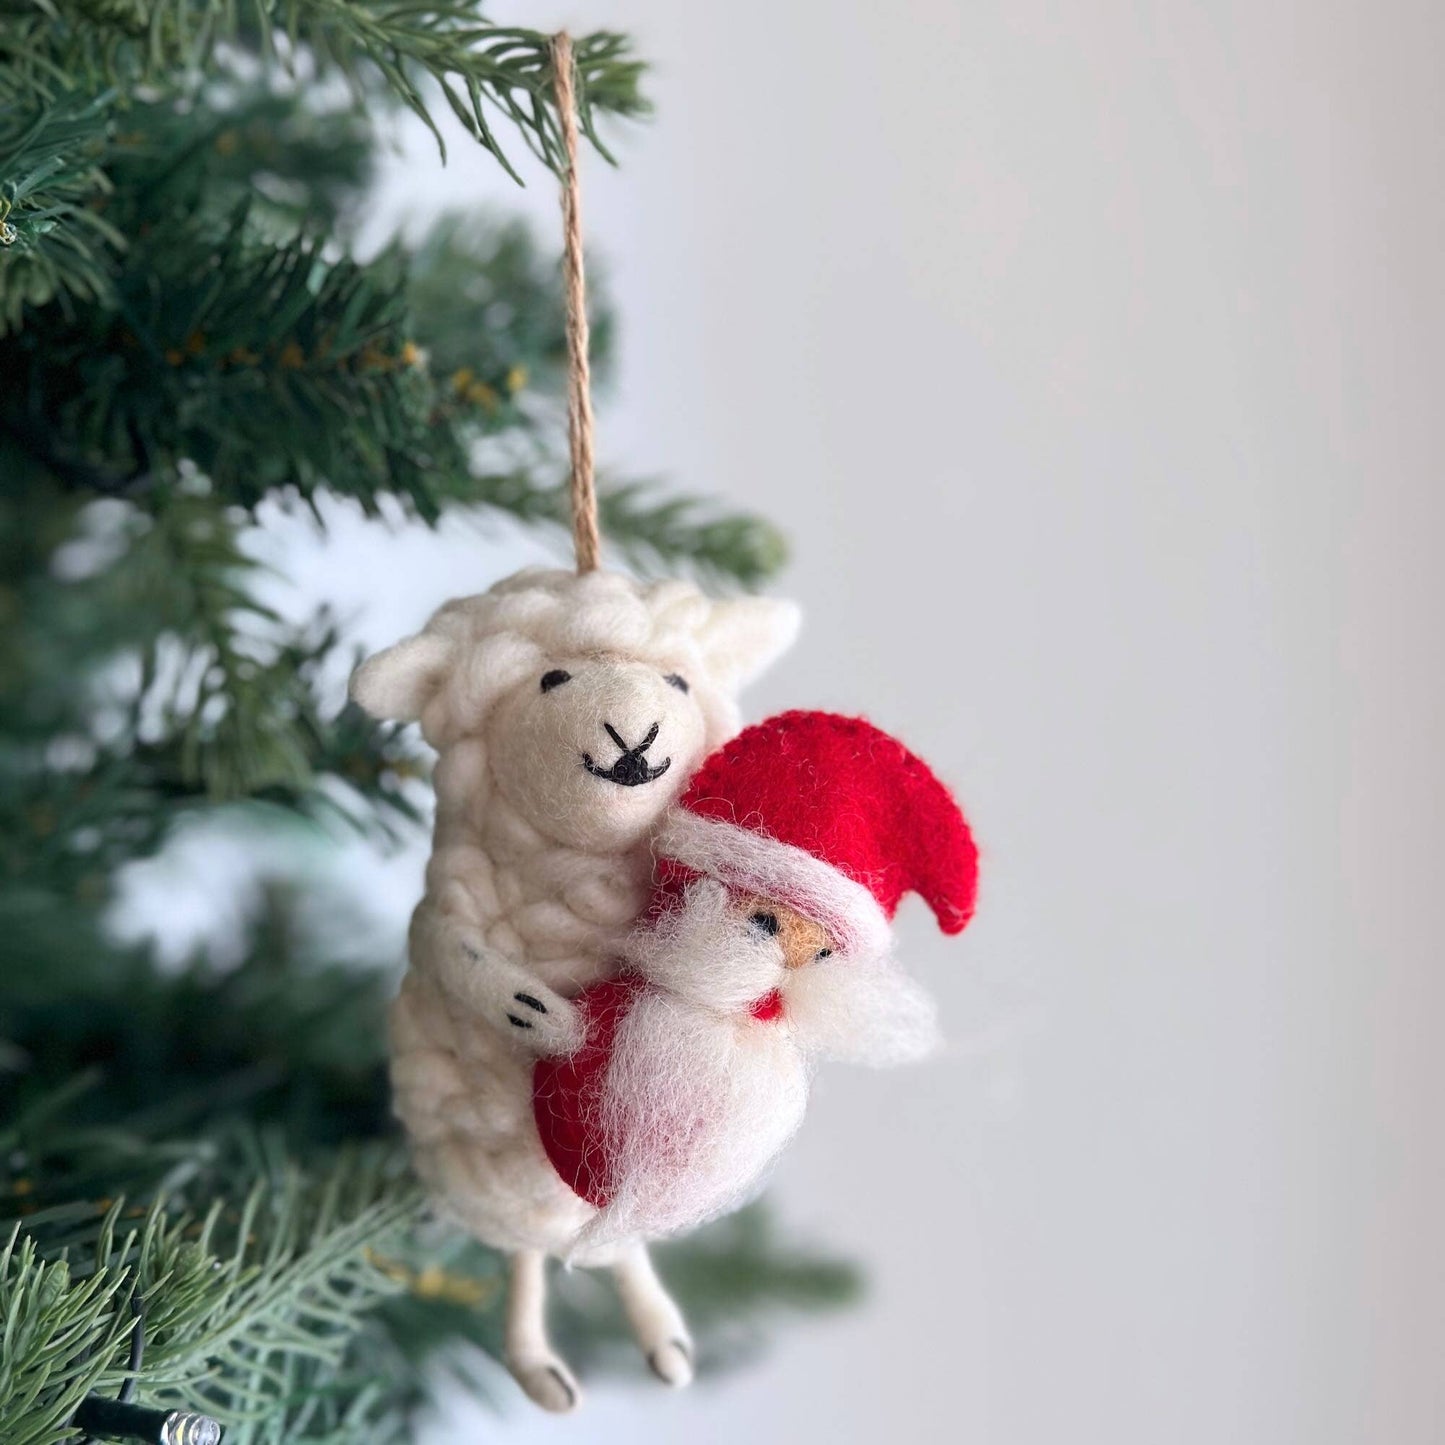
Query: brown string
pixel 579 372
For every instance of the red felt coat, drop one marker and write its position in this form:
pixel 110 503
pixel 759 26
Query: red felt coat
pixel 567 1092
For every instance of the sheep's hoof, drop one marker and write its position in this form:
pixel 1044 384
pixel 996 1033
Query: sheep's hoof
pixel 548 1383
pixel 545 1022
pixel 672 1363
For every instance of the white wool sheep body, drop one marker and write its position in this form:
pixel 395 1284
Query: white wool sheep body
pixel 567 713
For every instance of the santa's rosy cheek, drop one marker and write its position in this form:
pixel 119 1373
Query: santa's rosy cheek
pixel 768 1008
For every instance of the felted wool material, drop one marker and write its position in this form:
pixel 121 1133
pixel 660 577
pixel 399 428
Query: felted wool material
pixel 697 1063
pixel 567 1093
pixel 830 815
pixel 567 713
pixel 680 1099
pixel 696 1067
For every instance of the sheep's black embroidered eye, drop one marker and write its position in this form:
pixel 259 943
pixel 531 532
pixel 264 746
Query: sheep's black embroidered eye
pixel 555 678
pixel 765 923
pixel 825 953
pixel 677 680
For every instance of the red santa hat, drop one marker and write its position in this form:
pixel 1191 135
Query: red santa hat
pixel 829 815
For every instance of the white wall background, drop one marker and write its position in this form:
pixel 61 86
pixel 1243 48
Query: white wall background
pixel 1091 355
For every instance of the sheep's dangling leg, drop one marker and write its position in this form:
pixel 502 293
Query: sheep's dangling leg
pixel 654 1316
pixel 534 1364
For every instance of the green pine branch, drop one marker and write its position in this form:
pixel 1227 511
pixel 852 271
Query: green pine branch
pixel 54 240
pixel 483 72
pixel 232 1161
pixel 229 365
pixel 267 365
pixel 477 67
pixel 236 1296
pixel 186 336
pixel 43 1308
pixel 70 70
pixel 486 302
pixel 224 703
pixel 652 531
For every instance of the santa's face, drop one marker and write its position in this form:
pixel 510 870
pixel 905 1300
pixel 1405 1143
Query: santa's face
pixel 754 958
pixel 729 951
pixel 709 1071
pixel 800 940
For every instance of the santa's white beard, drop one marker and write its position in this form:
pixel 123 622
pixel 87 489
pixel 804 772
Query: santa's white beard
pixel 700 1097
pixel 696 1106
pixel 860 1012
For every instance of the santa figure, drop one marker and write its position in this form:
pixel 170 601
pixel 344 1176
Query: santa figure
pixel 767 946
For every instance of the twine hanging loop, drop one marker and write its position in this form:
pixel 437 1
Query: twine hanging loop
pixel 583 489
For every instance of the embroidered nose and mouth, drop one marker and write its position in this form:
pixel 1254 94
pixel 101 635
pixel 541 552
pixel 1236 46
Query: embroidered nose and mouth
pixel 631 768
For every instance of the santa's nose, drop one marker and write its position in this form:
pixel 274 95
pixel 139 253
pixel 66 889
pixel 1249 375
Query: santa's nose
pixel 801 939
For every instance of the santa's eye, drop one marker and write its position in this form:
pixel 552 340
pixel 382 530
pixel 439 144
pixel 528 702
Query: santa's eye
pixel 555 678
pixel 765 923
pixel 824 953
pixel 677 680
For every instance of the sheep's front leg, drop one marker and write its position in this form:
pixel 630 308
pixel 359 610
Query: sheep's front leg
pixel 656 1321
pixel 534 1364
pixel 490 986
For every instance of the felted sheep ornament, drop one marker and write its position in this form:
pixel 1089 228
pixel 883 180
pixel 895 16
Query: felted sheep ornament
pixel 767 946
pixel 567 712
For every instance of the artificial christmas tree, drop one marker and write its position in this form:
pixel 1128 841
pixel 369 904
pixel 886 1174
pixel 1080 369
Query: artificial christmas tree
pixel 207 1208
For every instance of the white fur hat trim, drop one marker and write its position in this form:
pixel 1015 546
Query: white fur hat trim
pixel 756 863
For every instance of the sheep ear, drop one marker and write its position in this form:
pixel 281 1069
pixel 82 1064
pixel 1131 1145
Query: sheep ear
pixel 397 683
pixel 745 635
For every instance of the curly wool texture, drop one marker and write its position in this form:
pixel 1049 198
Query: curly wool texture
pixel 539 865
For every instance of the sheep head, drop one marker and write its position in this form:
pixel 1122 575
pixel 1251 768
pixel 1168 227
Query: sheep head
pixel 593 697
